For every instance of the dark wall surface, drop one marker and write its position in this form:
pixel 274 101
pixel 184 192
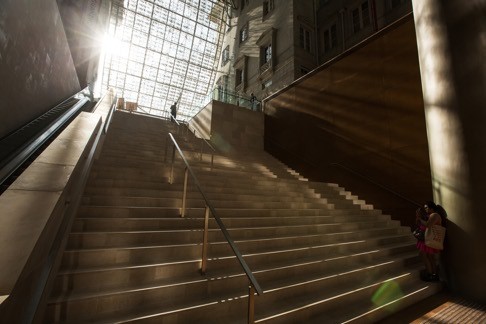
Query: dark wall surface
pixel 359 121
pixel 36 68
pixel 83 23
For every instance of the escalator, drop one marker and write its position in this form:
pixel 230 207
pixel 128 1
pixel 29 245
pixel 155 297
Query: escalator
pixel 21 147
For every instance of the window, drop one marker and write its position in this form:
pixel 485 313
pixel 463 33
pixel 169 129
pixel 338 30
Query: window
pixel 268 6
pixel 361 17
pixel 266 84
pixel 159 57
pixel 266 58
pixel 240 73
pixel 228 21
pixel 267 53
pixel 356 22
pixel 266 42
pixel 330 38
pixel 225 56
pixel 244 33
pixel 244 3
pixel 305 41
pixel 365 13
pixel 239 77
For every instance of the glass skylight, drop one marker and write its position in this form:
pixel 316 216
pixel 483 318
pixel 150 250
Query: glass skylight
pixel 158 52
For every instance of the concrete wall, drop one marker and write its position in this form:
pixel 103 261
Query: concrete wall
pixel 451 47
pixel 35 62
pixel 363 113
pixel 230 128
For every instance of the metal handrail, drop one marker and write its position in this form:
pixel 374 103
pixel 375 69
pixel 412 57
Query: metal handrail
pixel 376 183
pixel 24 153
pixel 110 114
pixel 207 143
pixel 203 140
pixel 254 286
pixel 172 117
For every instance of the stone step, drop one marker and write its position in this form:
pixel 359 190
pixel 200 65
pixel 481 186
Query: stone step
pixel 130 211
pixel 114 273
pixel 134 255
pixel 327 306
pixel 313 247
pixel 314 283
pixel 143 224
pixel 132 187
pixel 109 239
pixel 193 193
pixel 201 172
pixel 175 202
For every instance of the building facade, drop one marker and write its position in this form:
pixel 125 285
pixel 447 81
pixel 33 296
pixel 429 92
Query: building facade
pixel 268 44
pixel 344 23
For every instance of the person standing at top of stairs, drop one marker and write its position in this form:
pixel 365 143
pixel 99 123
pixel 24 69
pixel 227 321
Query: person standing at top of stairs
pixel 173 112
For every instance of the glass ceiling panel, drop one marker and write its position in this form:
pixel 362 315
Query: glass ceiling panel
pixel 161 51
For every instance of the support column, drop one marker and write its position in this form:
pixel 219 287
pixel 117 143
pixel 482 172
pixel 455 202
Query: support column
pixel 451 38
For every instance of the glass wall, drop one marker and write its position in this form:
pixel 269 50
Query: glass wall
pixel 158 52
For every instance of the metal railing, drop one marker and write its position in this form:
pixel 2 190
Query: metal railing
pixel 254 287
pixel 21 155
pixel 203 140
pixel 233 98
pixel 110 114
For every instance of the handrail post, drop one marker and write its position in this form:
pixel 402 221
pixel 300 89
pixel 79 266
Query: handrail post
pixel 205 241
pixel 251 304
pixel 183 211
pixel 255 287
pixel 166 148
pixel 171 177
pixel 202 147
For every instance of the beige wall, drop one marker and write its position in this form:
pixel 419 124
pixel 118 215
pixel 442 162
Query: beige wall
pixel 229 127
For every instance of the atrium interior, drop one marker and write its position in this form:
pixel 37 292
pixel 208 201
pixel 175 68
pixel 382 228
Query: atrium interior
pixel 156 53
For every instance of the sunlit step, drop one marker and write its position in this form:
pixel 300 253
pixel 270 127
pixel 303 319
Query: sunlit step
pixel 154 223
pixel 130 211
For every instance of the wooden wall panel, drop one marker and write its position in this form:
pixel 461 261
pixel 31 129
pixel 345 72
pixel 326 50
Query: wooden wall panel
pixel 361 114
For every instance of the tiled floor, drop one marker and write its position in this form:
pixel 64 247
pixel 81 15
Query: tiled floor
pixel 443 308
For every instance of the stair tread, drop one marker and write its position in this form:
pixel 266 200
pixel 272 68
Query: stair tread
pixel 227 256
pixel 311 245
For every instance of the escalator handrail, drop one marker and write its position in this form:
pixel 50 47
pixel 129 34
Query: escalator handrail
pixel 23 154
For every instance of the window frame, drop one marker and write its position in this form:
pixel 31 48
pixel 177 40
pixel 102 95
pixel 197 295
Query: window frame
pixel 243 34
pixel 330 41
pixel 240 67
pixel 225 56
pixel 305 38
pixel 267 7
pixel 359 20
pixel 267 47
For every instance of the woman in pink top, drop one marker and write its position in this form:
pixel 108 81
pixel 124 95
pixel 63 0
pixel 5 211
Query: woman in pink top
pixel 428 254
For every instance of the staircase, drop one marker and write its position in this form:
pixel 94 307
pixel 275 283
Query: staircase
pixel 319 253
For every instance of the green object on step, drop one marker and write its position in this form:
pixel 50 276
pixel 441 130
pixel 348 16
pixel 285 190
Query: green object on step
pixel 388 292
